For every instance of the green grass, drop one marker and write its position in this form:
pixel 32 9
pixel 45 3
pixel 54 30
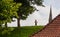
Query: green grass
pixel 24 31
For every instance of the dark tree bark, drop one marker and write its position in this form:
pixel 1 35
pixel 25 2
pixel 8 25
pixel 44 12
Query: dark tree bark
pixel 6 24
pixel 0 25
pixel 18 22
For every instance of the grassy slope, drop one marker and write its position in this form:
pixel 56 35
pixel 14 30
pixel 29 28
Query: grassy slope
pixel 25 31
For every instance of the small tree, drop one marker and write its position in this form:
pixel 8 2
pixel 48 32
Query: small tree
pixel 8 9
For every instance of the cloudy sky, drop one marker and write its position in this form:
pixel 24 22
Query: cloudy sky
pixel 42 15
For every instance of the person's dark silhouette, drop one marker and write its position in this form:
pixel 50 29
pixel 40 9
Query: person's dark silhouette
pixel 35 22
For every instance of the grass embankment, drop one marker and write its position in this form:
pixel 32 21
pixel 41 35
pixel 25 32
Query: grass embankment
pixel 25 31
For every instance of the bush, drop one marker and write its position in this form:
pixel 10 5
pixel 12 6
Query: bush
pixel 7 31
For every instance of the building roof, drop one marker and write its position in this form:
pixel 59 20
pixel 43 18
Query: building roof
pixel 52 29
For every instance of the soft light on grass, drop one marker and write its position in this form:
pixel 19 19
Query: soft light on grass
pixel 25 31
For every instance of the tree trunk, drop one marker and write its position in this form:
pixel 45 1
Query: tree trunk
pixel 18 22
pixel 6 24
pixel 0 25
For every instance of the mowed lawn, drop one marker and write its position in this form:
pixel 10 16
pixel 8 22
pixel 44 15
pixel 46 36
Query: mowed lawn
pixel 24 31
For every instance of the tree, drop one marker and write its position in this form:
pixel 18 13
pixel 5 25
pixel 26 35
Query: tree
pixel 26 8
pixel 8 9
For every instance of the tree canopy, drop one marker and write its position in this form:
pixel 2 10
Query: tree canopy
pixel 8 9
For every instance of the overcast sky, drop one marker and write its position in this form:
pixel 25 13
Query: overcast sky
pixel 42 15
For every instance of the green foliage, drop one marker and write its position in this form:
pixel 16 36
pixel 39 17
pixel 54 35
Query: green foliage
pixel 8 9
pixel 37 2
pixel 28 2
pixel 7 31
pixel 26 7
pixel 24 2
pixel 24 11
